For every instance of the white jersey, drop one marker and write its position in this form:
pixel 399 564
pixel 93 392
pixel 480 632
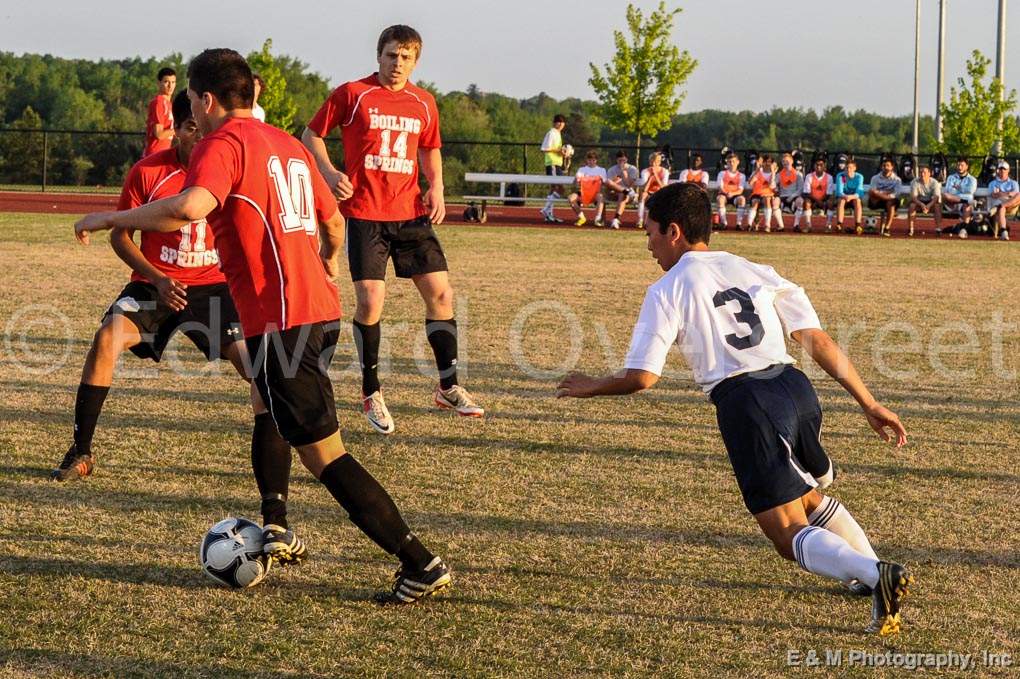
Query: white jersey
pixel 696 176
pixel 585 171
pixel 727 315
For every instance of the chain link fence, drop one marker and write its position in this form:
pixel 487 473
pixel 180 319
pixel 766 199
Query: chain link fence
pixel 79 160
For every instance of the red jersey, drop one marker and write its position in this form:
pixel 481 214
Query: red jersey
pixel 271 200
pixel 382 131
pixel 160 113
pixel 188 255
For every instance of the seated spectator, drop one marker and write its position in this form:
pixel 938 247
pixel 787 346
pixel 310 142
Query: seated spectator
pixel 653 178
pixel 590 178
pixel 257 112
pixel 926 196
pixel 763 193
pixel 695 173
pixel 621 179
pixel 958 197
pixel 790 186
pixel 731 183
pixel 849 189
pixel 882 195
pixel 818 191
pixel 1003 199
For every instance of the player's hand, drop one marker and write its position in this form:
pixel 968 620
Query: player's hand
pixel 435 203
pixel 97 221
pixel 575 385
pixel 332 267
pixel 886 424
pixel 173 293
pixel 340 184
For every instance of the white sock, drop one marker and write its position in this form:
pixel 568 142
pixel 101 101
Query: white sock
pixel 778 214
pixel 549 201
pixel 750 215
pixel 797 215
pixel 641 213
pixel 768 218
pixel 807 216
pixel 833 516
pixel 822 552
pixel 722 214
pixel 828 217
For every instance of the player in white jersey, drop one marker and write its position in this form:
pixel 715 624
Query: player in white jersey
pixel 730 318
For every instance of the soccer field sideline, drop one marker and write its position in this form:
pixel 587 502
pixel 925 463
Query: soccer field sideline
pixel 587 538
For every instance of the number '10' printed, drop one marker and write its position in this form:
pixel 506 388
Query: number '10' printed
pixel 294 190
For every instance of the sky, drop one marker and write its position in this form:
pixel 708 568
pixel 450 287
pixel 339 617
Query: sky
pixel 752 55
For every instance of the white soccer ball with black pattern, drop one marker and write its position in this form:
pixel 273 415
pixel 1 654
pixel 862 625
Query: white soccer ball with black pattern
pixel 231 553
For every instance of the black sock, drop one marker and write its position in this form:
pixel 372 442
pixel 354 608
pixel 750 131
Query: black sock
pixel 372 510
pixel 270 460
pixel 87 406
pixel 442 336
pixel 366 339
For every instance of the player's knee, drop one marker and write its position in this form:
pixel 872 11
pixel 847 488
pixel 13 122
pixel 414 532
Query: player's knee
pixel 442 298
pixel 105 344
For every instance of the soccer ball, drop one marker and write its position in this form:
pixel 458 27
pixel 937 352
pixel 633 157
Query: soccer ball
pixel 567 151
pixel 231 553
pixel 871 222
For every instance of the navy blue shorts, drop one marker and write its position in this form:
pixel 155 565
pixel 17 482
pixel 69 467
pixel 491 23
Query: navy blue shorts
pixel 771 423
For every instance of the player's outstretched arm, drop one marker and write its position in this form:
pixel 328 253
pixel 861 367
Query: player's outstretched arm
pixel 169 214
pixel 431 161
pixel 833 361
pixel 173 293
pixel 630 381
pixel 339 183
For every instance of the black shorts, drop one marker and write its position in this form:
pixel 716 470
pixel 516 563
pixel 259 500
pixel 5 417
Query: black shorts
pixel 810 200
pixel 554 170
pixel 732 200
pixel 757 199
pixel 209 320
pixel 771 423
pixel 788 203
pixel 413 245
pixel 880 203
pixel 290 369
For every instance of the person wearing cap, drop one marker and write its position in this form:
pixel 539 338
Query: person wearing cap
pixel 925 196
pixel 1003 199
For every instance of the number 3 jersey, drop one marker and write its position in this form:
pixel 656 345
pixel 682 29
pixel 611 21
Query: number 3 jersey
pixel 382 131
pixel 270 200
pixel 727 316
pixel 188 255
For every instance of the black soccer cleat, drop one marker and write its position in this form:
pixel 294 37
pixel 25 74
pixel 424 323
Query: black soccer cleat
pixel 893 580
pixel 73 466
pixel 282 545
pixel 411 586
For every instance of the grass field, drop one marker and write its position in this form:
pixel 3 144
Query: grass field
pixel 588 538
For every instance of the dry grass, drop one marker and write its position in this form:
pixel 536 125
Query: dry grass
pixel 599 537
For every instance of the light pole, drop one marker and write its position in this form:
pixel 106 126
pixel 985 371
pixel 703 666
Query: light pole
pixel 940 84
pixel 917 68
pixel 1000 69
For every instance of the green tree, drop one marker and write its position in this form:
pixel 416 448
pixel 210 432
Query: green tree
pixel 279 105
pixel 639 90
pixel 971 117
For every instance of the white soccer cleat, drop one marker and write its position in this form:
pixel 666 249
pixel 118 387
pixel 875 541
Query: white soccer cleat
pixel 615 224
pixel 378 415
pixel 457 398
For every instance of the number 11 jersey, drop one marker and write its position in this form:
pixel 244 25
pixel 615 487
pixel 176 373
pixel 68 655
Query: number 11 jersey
pixel 727 315
pixel 382 131
pixel 271 198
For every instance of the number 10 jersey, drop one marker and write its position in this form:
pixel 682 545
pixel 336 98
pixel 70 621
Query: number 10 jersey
pixel 727 315
pixel 382 131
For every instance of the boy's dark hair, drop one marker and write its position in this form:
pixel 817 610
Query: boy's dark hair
pixel 405 36
pixel 559 118
pixel 164 72
pixel 686 204
pixel 961 159
pixel 225 74
pixel 621 154
pixel 181 107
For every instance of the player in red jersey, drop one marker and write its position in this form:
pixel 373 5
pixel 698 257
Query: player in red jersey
pixel 266 201
pixel 389 126
pixel 159 123
pixel 176 285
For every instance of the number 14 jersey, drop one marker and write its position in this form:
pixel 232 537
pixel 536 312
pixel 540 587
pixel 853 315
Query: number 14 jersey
pixel 382 131
pixel 727 315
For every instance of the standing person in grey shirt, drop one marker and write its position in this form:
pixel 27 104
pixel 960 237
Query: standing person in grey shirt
pixel 882 195
pixel 621 179
pixel 926 196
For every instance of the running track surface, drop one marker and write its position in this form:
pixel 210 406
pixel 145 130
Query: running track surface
pixel 509 216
